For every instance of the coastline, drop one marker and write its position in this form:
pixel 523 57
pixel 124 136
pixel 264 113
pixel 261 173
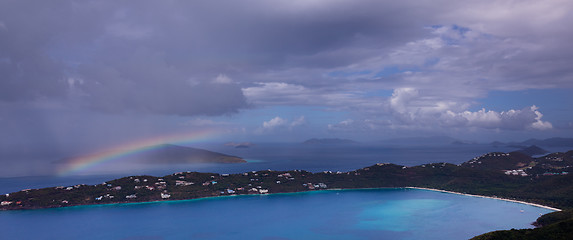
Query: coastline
pixel 196 199
pixel 481 196
pixel 285 193
pixel 177 186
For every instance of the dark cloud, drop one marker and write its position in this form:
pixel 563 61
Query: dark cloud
pixel 165 57
pixel 111 58
pixel 27 71
pixel 142 80
pixel 162 57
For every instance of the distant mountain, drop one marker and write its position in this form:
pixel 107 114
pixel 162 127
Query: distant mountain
pixel 167 153
pixel 328 141
pixel 460 142
pixel 240 144
pixel 549 142
pixel 433 140
pixel 533 150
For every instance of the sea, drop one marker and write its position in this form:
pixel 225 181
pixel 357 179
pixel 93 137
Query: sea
pixel 346 214
pixel 336 214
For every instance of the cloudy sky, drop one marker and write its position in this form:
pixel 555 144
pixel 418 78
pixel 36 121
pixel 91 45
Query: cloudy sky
pixel 97 73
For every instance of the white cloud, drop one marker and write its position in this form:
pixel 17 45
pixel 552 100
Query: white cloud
pixel 538 124
pixel 408 108
pixel 341 125
pixel 363 125
pixel 202 122
pixel 278 93
pixel 223 79
pixel 514 18
pixel 278 123
pixel 275 122
pixel 527 118
pixel 298 122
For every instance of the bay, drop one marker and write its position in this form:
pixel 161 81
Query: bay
pixel 335 214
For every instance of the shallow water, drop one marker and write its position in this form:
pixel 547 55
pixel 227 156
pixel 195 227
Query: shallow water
pixel 344 214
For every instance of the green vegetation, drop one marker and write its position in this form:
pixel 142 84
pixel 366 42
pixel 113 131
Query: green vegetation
pixel 554 217
pixel 507 175
pixel 558 231
pixel 555 225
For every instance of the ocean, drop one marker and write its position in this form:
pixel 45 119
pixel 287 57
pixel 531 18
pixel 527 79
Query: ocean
pixel 355 214
pixel 335 214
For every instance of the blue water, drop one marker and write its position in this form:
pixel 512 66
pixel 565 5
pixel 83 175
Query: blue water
pixel 347 214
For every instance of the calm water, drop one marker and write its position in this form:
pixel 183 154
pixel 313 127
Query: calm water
pixel 350 214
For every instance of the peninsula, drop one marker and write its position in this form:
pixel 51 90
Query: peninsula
pixel 544 180
pixel 515 176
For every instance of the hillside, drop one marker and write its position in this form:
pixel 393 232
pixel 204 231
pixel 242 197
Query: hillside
pixel 499 161
pixel 557 231
pixel 517 163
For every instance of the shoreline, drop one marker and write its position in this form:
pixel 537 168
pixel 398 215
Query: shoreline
pixel 281 193
pixel 481 196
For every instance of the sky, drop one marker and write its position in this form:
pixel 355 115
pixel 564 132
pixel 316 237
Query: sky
pixel 85 75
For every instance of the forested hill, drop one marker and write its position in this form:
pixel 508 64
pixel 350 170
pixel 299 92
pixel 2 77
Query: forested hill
pixel 550 164
pixel 514 175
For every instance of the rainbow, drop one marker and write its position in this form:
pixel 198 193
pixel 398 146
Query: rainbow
pixel 88 161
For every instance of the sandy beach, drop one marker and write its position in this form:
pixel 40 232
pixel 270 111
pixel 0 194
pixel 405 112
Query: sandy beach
pixel 496 198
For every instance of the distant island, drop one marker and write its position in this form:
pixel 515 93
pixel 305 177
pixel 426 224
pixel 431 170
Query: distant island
pixel 168 153
pixel 240 144
pixel 328 141
pixel 424 141
pixel 175 154
pixel 517 176
pixel 533 150
pixel 549 142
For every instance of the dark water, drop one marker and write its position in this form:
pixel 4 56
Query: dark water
pixel 350 214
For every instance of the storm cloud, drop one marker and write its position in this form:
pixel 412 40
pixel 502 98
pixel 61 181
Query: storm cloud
pixel 385 64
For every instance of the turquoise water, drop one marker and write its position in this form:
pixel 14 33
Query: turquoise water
pixel 345 214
